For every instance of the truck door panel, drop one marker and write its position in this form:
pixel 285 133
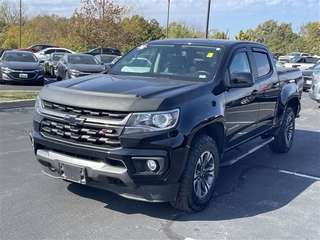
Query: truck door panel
pixel 269 89
pixel 242 104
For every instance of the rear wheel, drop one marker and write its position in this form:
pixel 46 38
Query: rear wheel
pixel 284 139
pixel 198 180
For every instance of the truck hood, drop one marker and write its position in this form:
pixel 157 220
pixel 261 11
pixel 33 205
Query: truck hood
pixel 114 92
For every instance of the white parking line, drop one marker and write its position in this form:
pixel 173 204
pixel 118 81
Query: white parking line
pixel 300 175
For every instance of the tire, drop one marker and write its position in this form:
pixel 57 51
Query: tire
pixel 52 72
pixel 199 178
pixel 66 76
pixel 283 141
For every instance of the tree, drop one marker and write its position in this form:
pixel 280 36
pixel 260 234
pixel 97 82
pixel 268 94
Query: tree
pixel 311 35
pixel 282 38
pixel 214 33
pixel 184 30
pixel 137 29
pixel 9 17
pixel 98 24
pixel 264 31
pixel 12 37
pixel 244 36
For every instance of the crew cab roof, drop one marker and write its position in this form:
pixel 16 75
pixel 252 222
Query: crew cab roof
pixel 201 41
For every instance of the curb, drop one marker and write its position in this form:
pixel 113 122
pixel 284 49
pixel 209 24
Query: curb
pixel 17 104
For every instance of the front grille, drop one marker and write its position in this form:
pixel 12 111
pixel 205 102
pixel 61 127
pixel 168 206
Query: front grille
pixel 97 128
pixel 90 72
pixel 16 75
pixel 85 112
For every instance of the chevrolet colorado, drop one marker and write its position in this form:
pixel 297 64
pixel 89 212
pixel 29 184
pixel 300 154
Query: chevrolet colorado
pixel 156 125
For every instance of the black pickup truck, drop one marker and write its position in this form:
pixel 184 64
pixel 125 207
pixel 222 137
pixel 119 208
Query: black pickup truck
pixel 157 124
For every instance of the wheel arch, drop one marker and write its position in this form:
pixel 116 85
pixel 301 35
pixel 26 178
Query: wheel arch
pixel 294 103
pixel 215 130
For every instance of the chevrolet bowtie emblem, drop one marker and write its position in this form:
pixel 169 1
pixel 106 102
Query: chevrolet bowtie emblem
pixel 74 119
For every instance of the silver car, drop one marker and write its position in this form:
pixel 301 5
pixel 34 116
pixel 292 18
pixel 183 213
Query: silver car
pixel 314 91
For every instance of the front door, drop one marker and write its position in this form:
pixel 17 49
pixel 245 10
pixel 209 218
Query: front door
pixel 242 104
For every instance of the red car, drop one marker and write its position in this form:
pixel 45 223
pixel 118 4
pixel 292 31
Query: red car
pixel 37 47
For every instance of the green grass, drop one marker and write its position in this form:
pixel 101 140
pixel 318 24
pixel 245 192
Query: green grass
pixel 6 96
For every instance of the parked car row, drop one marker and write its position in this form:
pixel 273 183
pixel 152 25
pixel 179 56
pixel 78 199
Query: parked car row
pixel 15 65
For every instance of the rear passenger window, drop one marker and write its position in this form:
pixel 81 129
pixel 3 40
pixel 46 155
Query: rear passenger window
pixel 262 63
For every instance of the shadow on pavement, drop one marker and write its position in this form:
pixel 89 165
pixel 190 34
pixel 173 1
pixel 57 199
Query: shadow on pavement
pixel 248 188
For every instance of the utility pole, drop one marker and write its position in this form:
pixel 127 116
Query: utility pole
pixel 208 15
pixel 20 23
pixel 103 9
pixel 168 18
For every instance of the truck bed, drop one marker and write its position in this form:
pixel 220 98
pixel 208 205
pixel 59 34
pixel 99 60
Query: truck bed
pixel 290 75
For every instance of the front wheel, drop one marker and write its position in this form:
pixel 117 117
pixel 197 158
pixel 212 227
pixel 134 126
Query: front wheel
pixel 283 141
pixel 66 76
pixel 198 180
pixel 52 72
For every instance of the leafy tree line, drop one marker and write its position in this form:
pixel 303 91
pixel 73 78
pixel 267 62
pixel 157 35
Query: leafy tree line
pixel 107 24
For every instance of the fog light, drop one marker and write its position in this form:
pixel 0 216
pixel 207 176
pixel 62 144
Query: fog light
pixel 152 165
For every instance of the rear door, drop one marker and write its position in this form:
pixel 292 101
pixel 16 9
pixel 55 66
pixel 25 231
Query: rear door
pixel 269 89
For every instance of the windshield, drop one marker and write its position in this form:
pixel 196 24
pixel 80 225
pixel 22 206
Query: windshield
pixel 316 66
pixel 19 57
pixel 82 59
pixel 294 59
pixel 56 57
pixel 174 61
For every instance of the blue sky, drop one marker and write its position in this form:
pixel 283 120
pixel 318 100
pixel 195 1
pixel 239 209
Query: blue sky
pixel 225 15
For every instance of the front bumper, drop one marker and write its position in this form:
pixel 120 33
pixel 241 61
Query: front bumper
pixel 22 76
pixel 51 165
pixel 114 170
pixel 307 81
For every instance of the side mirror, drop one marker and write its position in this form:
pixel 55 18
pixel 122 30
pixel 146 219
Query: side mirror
pixel 241 80
pixel 41 61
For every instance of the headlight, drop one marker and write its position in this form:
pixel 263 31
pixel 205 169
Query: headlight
pixel 315 77
pixel 152 121
pixel 39 70
pixel 74 72
pixel 38 105
pixel 6 70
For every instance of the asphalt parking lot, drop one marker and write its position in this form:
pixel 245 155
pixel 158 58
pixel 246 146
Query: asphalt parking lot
pixel 264 196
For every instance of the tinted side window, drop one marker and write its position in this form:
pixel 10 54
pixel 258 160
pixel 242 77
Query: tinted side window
pixel 262 62
pixel 310 60
pixel 239 63
pixel 61 50
pixel 49 51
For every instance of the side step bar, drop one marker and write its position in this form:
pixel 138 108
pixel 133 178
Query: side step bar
pixel 252 150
